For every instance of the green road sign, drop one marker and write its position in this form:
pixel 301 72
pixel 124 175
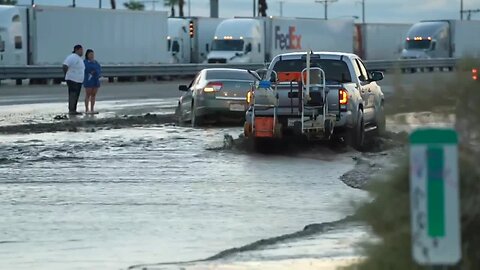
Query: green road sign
pixel 434 196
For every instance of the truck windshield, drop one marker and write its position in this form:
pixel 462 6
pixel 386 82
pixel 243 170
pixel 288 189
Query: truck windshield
pixel 227 45
pixel 335 70
pixel 418 44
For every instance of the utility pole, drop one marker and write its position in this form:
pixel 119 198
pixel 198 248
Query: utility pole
pixel 363 11
pixel 326 3
pixel 281 7
pixel 99 3
pixel 73 3
pixel 461 10
pixel 189 7
pixel 254 8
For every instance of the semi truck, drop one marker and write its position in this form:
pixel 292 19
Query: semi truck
pixel 380 41
pixel 45 35
pixel 189 39
pixel 442 39
pixel 258 40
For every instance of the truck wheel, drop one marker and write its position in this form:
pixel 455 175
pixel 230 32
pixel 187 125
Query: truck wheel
pixel 357 133
pixel 196 120
pixel 381 122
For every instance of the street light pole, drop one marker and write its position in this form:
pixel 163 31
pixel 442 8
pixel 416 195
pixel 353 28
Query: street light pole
pixel 326 2
pixel 99 3
pixel 189 8
pixel 254 8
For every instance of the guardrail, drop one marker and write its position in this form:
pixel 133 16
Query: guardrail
pixel 54 72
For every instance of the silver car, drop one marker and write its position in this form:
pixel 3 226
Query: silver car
pixel 215 95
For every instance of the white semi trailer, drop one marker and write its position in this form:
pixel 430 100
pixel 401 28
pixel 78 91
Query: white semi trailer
pixel 380 41
pixel 442 39
pixel 45 35
pixel 258 40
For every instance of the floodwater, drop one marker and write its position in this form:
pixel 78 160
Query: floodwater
pixel 109 199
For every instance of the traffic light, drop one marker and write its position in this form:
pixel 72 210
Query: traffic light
pixel 262 8
pixel 191 29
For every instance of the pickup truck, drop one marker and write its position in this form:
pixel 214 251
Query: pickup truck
pixel 316 95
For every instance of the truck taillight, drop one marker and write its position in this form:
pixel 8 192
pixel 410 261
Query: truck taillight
pixel 213 87
pixel 475 74
pixel 343 96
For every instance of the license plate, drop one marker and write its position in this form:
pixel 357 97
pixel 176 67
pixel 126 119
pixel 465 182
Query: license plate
pixel 291 122
pixel 237 107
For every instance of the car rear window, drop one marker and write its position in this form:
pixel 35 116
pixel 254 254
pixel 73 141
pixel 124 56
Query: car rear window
pixel 335 70
pixel 229 75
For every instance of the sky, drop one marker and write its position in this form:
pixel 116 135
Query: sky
pixel 387 11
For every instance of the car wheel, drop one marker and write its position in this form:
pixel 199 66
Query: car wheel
pixel 357 133
pixel 196 120
pixel 381 122
pixel 178 114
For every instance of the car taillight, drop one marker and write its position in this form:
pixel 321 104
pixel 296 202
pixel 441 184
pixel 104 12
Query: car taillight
pixel 249 97
pixel 475 74
pixel 343 97
pixel 213 87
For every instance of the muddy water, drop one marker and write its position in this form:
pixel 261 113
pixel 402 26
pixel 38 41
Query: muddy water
pixel 114 198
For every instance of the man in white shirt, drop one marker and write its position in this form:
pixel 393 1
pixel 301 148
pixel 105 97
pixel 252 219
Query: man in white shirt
pixel 74 69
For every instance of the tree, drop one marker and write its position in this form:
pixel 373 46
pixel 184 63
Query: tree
pixel 113 4
pixel 134 5
pixel 8 2
pixel 262 8
pixel 172 3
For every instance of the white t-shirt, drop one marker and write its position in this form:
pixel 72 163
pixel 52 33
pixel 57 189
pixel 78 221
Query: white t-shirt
pixel 76 68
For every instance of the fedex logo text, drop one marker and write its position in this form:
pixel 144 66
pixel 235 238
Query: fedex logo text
pixel 289 41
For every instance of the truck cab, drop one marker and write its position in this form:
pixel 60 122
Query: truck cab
pixel 428 39
pixel 179 41
pixel 13 38
pixel 238 41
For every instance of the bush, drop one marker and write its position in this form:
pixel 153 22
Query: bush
pixel 388 214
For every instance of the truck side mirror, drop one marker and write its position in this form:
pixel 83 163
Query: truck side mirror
pixel 376 76
pixel 175 47
pixel 248 48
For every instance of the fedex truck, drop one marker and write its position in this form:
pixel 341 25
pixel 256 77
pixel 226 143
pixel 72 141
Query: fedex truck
pixel 442 39
pixel 45 35
pixel 258 40
pixel 189 39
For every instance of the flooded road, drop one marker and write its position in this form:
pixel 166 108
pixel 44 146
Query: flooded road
pixel 114 198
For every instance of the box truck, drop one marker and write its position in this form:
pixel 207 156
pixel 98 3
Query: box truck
pixel 380 41
pixel 189 39
pixel 442 39
pixel 45 35
pixel 257 40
